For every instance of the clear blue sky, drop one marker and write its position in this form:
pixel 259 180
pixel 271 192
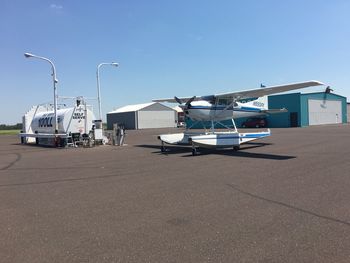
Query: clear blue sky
pixel 167 48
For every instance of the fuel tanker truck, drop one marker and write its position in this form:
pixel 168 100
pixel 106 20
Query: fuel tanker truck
pixel 74 124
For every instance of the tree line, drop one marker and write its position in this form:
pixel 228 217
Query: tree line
pixel 17 126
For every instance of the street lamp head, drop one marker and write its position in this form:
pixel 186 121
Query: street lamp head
pixel 28 55
pixel 115 64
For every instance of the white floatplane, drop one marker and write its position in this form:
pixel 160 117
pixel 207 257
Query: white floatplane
pixel 219 107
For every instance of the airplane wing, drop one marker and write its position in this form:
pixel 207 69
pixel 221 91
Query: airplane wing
pixel 254 93
pixel 173 100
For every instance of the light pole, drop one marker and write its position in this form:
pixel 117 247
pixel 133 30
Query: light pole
pixel 98 87
pixel 28 55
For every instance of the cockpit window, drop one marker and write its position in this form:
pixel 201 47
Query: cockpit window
pixel 223 101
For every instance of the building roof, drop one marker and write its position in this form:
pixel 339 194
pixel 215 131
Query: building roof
pixel 154 106
pixel 306 94
pixel 322 93
pixel 178 109
pixel 131 108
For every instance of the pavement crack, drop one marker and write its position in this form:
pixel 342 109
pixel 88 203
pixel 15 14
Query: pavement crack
pixel 18 158
pixel 289 206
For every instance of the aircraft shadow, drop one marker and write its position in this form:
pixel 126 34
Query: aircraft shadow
pixel 242 153
pixel 178 149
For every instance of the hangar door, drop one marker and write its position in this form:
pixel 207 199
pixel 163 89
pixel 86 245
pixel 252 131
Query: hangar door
pixel 325 112
pixel 156 119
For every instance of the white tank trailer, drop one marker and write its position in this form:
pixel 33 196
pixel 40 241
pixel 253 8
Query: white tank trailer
pixel 73 122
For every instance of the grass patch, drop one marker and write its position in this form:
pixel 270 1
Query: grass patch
pixel 9 132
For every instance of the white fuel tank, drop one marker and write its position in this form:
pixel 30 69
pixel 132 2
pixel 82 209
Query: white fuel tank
pixel 75 120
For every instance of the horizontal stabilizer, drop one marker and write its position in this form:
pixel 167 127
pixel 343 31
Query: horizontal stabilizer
pixel 273 111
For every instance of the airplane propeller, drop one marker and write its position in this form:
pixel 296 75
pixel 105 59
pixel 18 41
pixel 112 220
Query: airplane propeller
pixel 187 105
pixel 178 100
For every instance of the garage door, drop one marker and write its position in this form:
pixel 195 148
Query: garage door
pixel 324 112
pixel 156 119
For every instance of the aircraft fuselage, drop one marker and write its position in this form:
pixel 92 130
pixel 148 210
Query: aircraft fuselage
pixel 205 111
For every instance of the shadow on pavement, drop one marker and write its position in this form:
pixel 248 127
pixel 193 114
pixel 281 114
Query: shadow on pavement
pixel 173 149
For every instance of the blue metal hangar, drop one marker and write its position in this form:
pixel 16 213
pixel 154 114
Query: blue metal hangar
pixel 307 109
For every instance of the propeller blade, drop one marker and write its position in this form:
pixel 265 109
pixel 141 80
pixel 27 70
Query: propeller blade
pixel 189 101
pixel 178 100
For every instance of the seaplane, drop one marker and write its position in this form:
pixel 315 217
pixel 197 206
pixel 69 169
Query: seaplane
pixel 225 106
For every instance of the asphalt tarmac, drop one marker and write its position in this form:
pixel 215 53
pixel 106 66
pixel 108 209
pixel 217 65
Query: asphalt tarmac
pixel 285 198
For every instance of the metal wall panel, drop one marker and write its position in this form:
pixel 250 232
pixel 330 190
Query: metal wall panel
pixel 289 101
pixel 156 119
pixel 125 118
pixel 324 112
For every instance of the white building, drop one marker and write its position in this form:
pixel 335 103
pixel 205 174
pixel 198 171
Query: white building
pixel 143 116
